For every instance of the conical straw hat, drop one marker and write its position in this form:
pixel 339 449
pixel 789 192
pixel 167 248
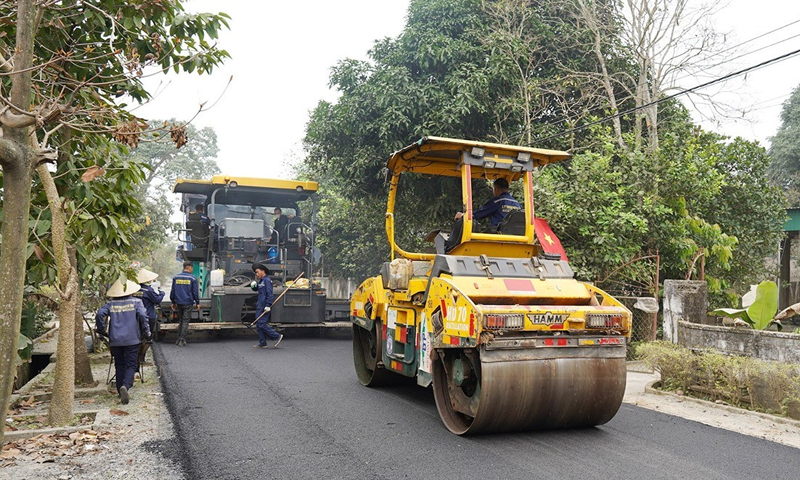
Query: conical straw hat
pixel 117 291
pixel 145 276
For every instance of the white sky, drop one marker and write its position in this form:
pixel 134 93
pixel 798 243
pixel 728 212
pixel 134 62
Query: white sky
pixel 282 53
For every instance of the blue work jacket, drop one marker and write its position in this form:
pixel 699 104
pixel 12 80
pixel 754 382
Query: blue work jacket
pixel 265 295
pixel 497 208
pixel 151 298
pixel 184 290
pixel 127 319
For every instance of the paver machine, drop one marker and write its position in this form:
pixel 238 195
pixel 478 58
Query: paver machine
pixel 237 228
pixel 493 320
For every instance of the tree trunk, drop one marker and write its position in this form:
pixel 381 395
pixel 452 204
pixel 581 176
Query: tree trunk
pixel 83 367
pixel 64 384
pixel 15 157
pixel 16 202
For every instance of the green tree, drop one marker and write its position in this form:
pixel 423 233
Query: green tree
pixel 64 67
pixel 166 162
pixel 450 73
pixel 785 150
pixel 511 70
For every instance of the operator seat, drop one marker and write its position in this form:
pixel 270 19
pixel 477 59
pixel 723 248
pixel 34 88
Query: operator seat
pixel 199 233
pixel 513 223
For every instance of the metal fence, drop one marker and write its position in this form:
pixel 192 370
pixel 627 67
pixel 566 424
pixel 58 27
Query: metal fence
pixel 645 320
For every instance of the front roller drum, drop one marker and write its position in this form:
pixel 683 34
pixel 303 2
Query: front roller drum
pixel 367 356
pixel 497 391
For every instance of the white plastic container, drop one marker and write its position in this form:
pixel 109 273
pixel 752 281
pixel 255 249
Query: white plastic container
pixel 217 277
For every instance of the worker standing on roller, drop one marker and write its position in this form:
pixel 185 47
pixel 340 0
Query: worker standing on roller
pixel 263 307
pixel 127 324
pixel 184 295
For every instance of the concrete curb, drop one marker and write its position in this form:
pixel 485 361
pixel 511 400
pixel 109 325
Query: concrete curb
pixel 649 388
pixel 99 421
pixel 33 383
pixel 40 396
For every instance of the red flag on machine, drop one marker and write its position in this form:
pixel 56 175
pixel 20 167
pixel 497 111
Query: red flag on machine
pixel 547 239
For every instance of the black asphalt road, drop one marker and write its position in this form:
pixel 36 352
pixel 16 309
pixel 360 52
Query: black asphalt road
pixel 299 412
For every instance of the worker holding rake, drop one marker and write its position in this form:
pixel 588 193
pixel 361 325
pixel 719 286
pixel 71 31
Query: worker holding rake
pixel 263 285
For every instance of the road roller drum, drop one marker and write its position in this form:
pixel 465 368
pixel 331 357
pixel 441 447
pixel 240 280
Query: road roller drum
pixel 506 392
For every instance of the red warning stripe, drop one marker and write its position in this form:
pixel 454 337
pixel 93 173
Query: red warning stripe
pixel 444 309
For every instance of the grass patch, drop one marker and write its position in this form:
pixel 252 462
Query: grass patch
pixel 741 381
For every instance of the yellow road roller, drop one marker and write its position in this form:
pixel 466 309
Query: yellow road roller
pixel 491 316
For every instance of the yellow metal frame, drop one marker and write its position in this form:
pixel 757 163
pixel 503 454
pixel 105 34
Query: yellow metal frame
pixel 441 157
pixel 276 183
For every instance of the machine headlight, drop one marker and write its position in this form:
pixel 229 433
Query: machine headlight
pixel 504 322
pixel 603 320
pixel 478 152
pixel 524 157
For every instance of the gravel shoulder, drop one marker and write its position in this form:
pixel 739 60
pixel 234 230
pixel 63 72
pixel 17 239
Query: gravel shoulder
pixel 128 441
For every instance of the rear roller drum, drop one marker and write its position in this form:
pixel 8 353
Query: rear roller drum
pixel 366 355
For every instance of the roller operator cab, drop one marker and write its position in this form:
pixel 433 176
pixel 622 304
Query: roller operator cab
pixel 494 319
pixel 235 227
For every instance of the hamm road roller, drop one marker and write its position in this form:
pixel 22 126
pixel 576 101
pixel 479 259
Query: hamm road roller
pixel 493 318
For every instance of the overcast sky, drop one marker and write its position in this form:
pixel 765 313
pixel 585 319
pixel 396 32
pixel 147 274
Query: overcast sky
pixel 282 53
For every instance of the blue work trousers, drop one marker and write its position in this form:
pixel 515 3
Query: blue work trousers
pixel 265 331
pixel 126 363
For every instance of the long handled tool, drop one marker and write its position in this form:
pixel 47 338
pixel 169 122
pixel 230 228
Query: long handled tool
pixel 279 297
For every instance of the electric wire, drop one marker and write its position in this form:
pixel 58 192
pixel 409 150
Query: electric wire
pixel 794 22
pixel 763 64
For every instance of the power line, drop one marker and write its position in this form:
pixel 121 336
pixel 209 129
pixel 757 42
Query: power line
pixel 728 60
pixel 578 116
pixel 759 36
pixel 674 95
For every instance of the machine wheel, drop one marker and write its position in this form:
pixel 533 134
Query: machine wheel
pixel 479 391
pixel 366 355
pixel 457 388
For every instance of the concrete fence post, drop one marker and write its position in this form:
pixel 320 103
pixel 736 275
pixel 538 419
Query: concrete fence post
pixel 683 300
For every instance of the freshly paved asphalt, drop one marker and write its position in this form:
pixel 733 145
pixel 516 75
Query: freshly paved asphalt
pixel 299 412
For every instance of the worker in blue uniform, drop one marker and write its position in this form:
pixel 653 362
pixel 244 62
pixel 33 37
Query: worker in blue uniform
pixel 184 295
pixel 496 208
pixel 127 325
pixel 263 285
pixel 150 296
pixel 199 214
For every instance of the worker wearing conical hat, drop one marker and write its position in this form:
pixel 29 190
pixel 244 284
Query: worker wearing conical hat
pixel 150 297
pixel 127 324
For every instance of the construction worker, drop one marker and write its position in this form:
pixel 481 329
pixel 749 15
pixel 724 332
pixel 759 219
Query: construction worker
pixel 280 225
pixel 184 295
pixel 200 214
pixel 496 208
pixel 127 324
pixel 150 297
pixel 263 307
